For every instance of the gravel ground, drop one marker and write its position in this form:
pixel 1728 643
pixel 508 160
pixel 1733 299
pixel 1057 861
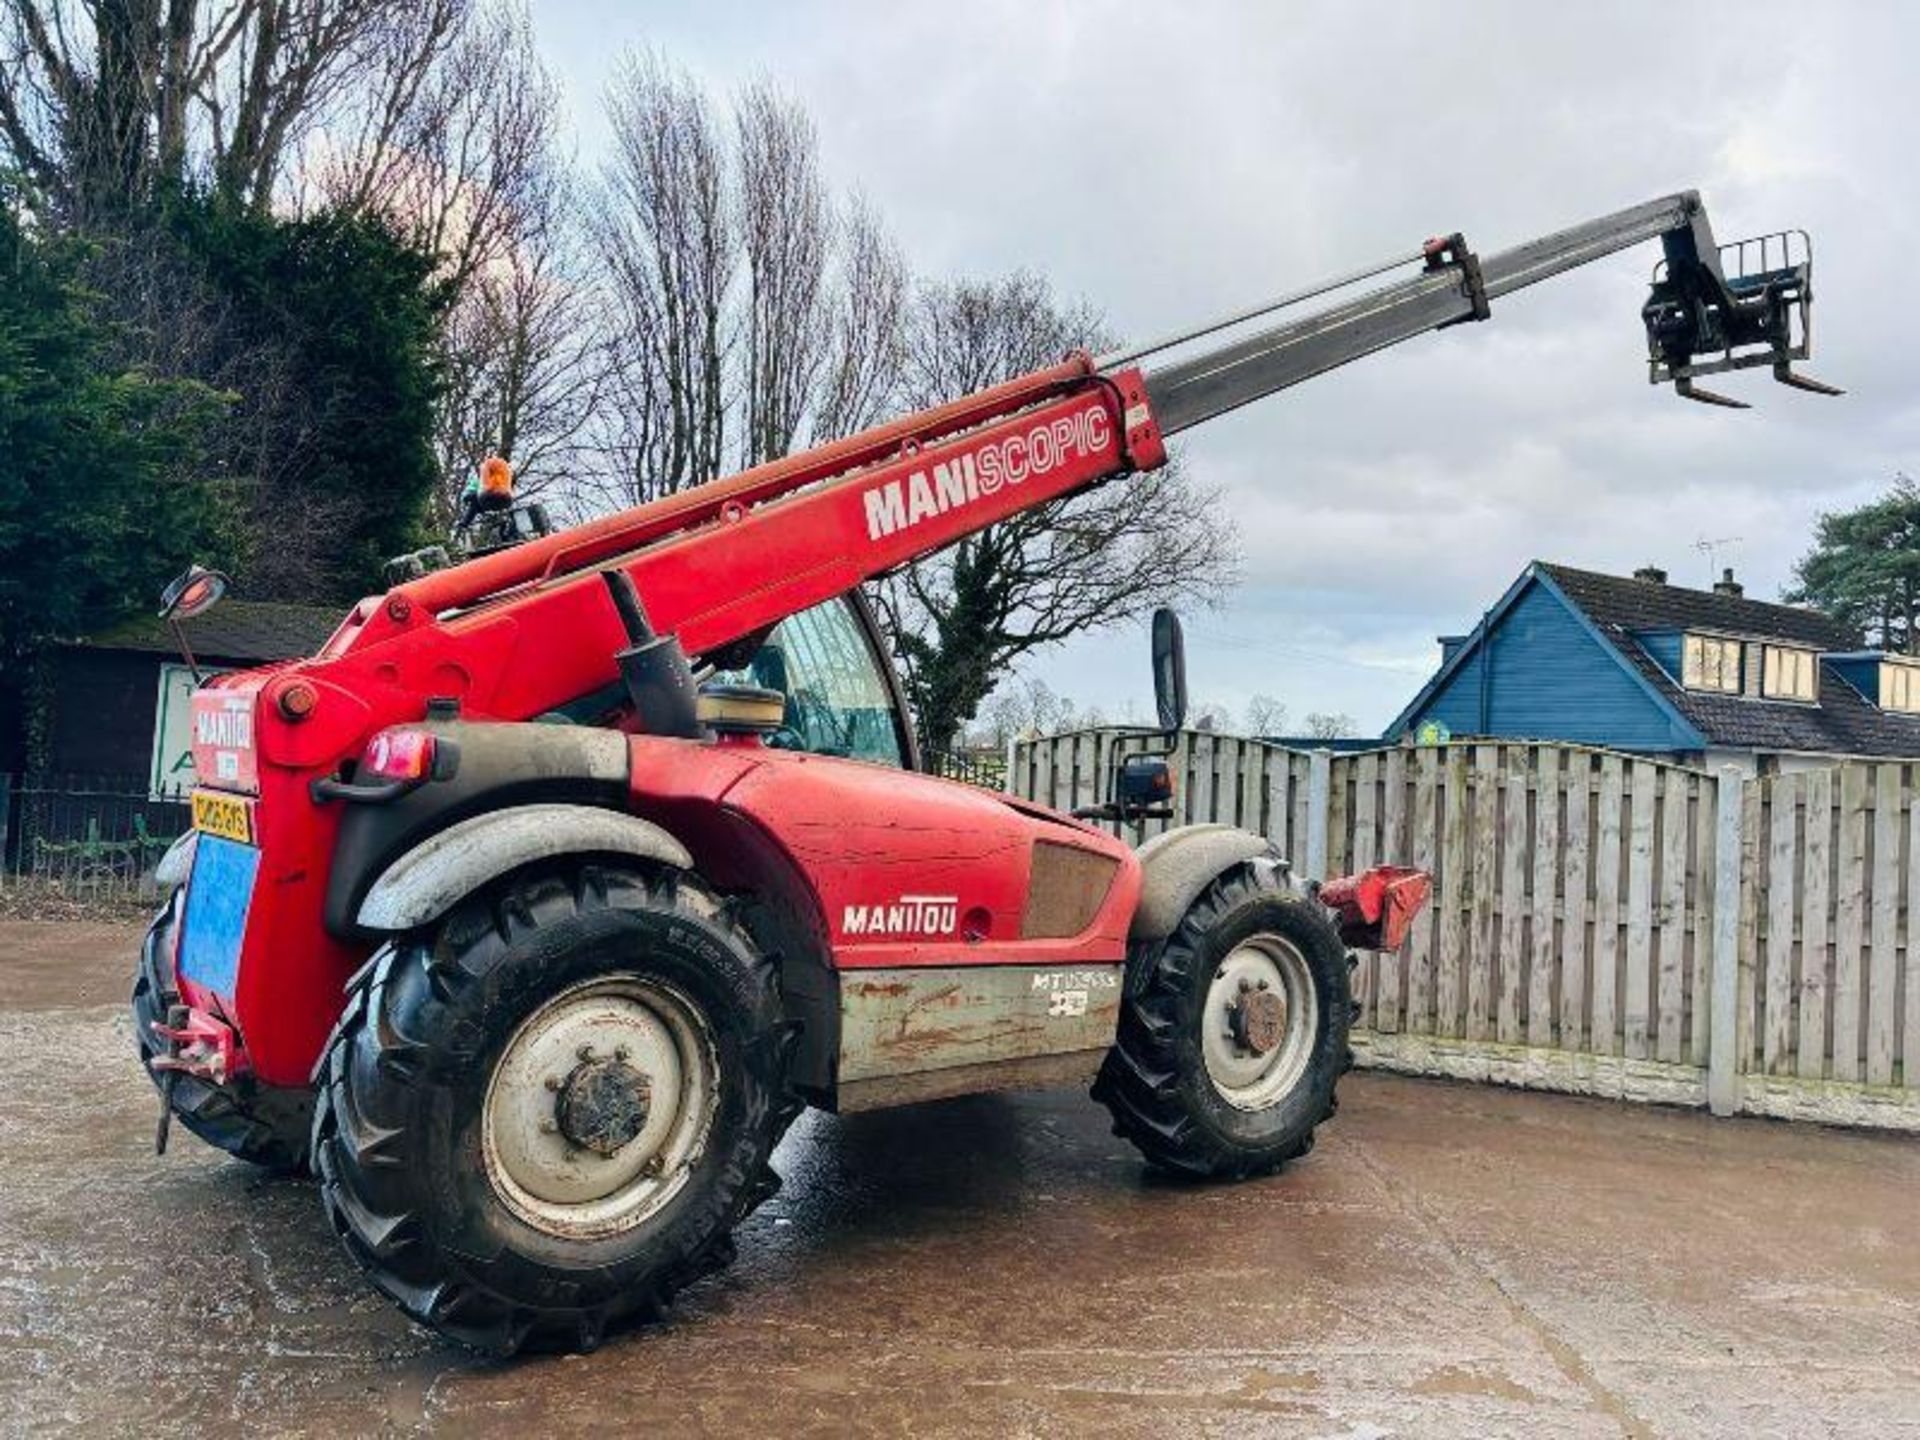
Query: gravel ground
pixel 1450 1261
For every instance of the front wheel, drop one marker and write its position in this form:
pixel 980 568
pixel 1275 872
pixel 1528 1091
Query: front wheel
pixel 1234 1034
pixel 548 1116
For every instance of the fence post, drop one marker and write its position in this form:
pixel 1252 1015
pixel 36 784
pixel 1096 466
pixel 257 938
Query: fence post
pixel 1319 807
pixel 6 814
pixel 1013 754
pixel 1723 1031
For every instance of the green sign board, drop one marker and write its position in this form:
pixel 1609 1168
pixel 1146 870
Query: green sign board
pixel 172 774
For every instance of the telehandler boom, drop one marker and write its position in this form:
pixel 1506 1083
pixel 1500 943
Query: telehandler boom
pixel 530 911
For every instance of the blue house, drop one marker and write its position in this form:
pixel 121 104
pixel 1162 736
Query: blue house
pixel 1698 676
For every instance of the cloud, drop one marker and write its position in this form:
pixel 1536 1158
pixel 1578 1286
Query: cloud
pixel 1168 162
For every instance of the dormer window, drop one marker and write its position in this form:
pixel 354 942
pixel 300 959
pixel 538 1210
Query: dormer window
pixel 1710 663
pixel 1790 674
pixel 1899 686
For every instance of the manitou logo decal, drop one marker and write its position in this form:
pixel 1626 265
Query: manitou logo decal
pixel 227 729
pixel 965 479
pixel 911 915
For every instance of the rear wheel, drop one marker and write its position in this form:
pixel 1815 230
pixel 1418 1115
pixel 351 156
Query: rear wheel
pixel 264 1125
pixel 548 1115
pixel 1234 1033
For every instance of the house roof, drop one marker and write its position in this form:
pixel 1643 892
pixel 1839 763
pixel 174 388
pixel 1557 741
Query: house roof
pixel 245 630
pixel 1843 721
pixel 1613 601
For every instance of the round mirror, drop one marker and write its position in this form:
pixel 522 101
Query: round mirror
pixel 192 593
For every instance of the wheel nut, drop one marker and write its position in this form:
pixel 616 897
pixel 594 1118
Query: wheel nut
pixel 553 1083
pixel 548 1127
pixel 585 1052
pixel 1245 985
pixel 620 1052
pixel 1263 986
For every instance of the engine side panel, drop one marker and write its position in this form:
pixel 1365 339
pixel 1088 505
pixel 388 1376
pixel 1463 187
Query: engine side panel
pixel 911 870
pixel 964 944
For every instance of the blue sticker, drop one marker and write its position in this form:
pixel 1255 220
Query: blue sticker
pixel 217 901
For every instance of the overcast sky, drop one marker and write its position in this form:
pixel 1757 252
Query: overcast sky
pixel 1170 161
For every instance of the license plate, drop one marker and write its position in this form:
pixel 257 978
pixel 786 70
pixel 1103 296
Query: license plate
pixel 227 816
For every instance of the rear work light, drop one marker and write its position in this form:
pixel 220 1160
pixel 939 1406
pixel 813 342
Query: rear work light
pixel 400 755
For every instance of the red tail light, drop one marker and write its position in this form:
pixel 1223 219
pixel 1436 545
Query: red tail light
pixel 400 755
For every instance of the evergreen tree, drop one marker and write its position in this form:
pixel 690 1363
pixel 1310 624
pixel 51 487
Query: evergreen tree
pixel 1864 568
pixel 101 493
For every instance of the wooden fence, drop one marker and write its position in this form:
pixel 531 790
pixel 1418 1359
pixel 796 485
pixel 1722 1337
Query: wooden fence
pixel 1589 904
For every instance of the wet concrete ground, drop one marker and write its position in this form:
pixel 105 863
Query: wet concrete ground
pixel 1450 1261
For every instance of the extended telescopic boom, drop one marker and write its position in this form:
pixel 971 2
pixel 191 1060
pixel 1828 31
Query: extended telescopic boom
pixel 1696 308
pixel 721 563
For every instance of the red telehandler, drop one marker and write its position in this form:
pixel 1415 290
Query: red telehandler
pixel 531 910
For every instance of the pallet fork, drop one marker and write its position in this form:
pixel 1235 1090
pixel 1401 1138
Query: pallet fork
pixel 1716 308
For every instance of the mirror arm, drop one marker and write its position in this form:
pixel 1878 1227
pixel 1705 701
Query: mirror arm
pixel 180 639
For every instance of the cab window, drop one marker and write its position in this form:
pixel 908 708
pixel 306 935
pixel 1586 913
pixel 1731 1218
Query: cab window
pixel 838 701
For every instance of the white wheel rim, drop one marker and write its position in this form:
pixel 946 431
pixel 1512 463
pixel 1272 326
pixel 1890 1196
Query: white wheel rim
pixel 1259 966
pixel 542 1173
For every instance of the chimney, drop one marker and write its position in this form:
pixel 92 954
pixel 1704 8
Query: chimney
pixel 1727 585
pixel 1652 574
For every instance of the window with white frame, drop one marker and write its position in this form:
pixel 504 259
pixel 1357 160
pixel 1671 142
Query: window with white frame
pixel 1711 663
pixel 1789 674
pixel 1899 686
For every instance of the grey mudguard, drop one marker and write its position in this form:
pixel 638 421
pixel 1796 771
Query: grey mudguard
pixel 428 880
pixel 1178 864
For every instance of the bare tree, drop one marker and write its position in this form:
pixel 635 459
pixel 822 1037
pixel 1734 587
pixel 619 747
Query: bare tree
pixel 1266 715
pixel 1210 715
pixel 960 619
pixel 1328 725
pixel 459 153
pixel 867 320
pixel 1027 705
pixel 466 163
pixel 748 312
pixel 521 368
pixel 786 228
pixel 106 103
pixel 667 238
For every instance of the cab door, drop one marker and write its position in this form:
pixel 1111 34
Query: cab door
pixel 843 698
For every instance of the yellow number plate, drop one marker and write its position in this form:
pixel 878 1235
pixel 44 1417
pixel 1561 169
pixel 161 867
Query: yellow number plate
pixel 227 816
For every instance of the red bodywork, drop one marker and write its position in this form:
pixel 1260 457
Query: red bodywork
pixel 515 634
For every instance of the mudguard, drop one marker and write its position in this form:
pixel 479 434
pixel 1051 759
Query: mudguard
pixel 1178 864
pixel 427 881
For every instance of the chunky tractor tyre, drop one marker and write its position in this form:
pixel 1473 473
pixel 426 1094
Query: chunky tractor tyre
pixel 1233 1033
pixel 264 1124
pixel 547 1115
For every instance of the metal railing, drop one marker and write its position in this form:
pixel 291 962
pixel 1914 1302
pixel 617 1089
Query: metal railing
pixel 986 768
pixel 87 838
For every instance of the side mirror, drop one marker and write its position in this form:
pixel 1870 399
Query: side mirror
pixel 193 592
pixel 1169 669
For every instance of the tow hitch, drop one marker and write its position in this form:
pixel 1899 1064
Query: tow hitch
pixel 198 1044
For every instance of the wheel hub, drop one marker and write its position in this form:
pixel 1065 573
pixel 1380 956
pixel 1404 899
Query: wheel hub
pixel 599 1106
pixel 1259 1021
pixel 603 1105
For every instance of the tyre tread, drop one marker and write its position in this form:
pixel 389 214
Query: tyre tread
pixel 375 1056
pixel 1139 1080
